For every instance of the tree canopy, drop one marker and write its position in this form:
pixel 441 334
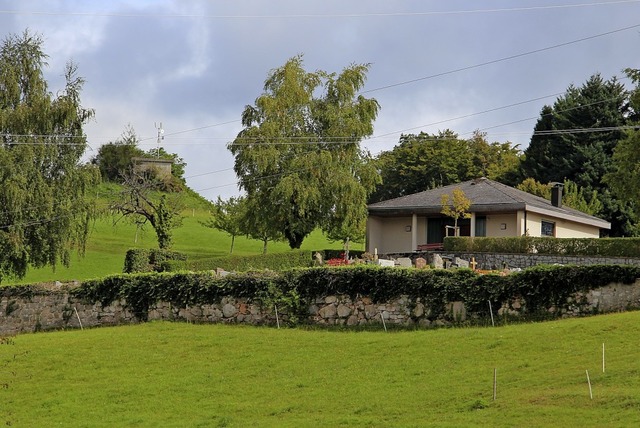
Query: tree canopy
pixel 298 156
pixel 624 179
pixel 421 162
pixel 115 159
pixel 575 139
pixel 44 207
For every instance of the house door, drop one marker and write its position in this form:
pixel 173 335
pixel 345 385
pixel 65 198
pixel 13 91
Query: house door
pixel 436 229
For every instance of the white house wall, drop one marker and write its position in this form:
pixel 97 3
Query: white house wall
pixel 563 228
pixel 391 234
pixel 502 225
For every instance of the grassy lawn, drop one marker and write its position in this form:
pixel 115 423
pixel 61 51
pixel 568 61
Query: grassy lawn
pixel 174 374
pixel 108 244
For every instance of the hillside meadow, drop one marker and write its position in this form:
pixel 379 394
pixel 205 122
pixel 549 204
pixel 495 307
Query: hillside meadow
pixel 178 374
pixel 109 240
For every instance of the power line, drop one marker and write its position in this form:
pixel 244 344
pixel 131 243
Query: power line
pixel 321 16
pixel 495 61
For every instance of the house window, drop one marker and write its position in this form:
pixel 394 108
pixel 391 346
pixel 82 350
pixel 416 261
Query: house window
pixel 481 226
pixel 548 228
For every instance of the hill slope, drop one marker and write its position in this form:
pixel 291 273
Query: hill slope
pixel 108 243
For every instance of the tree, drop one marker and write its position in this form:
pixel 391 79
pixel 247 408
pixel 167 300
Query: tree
pixel 421 162
pixel 457 208
pixel 575 138
pixel 256 226
pixel 298 156
pixel 572 195
pixel 624 179
pixel 562 145
pixel 44 190
pixel 228 216
pixel 114 158
pixel 141 201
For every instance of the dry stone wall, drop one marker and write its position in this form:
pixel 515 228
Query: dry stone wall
pixel 498 261
pixel 51 309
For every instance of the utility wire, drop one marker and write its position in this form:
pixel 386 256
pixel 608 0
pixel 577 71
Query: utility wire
pixel 323 16
pixel 495 61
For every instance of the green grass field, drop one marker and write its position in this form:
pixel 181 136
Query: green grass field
pixel 108 244
pixel 177 374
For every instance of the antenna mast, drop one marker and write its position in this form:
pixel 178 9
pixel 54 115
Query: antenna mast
pixel 160 137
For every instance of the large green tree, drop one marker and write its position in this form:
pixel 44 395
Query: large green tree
pixel 421 162
pixel 575 138
pixel 44 206
pixel 624 179
pixel 298 156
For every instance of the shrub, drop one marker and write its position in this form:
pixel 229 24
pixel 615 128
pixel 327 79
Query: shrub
pixel 143 260
pixel 607 247
pixel 276 262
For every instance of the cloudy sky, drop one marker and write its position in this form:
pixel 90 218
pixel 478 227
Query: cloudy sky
pixel 194 64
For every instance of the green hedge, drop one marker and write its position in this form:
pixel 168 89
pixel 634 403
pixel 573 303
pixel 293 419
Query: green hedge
pixel 144 260
pixel 276 262
pixel 607 247
pixel 293 291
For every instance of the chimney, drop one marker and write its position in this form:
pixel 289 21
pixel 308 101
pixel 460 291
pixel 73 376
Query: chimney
pixel 556 194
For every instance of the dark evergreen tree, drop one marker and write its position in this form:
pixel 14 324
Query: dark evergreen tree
pixel 575 138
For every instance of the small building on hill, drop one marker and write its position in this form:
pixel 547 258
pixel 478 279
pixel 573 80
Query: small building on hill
pixel 162 167
pixel 415 222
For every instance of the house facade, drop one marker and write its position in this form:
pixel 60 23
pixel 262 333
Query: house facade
pixel 413 222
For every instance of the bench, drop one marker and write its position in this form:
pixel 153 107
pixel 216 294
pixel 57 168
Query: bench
pixel 430 247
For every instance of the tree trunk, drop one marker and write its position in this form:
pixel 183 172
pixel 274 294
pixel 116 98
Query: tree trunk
pixel 233 240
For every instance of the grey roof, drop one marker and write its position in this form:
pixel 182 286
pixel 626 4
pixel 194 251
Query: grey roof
pixel 486 196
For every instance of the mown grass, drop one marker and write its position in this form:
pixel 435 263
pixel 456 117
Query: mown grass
pixel 108 244
pixel 174 374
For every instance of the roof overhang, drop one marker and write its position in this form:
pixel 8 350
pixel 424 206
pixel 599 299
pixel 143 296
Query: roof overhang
pixel 591 221
pixel 490 208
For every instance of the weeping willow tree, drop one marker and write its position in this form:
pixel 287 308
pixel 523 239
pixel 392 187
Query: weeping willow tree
pixel 298 156
pixel 44 205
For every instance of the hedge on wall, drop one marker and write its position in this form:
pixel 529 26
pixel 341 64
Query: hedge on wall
pixel 607 247
pixel 276 262
pixel 155 260
pixel 293 291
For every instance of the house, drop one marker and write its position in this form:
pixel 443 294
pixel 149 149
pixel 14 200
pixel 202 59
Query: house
pixel 413 222
pixel 162 167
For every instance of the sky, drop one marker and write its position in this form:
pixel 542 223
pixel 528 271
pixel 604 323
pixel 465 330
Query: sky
pixel 193 65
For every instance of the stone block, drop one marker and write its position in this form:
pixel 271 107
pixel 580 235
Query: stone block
pixel 386 263
pixel 404 262
pixel 457 311
pixel 438 262
pixel 328 311
pixel 421 263
pixel 343 311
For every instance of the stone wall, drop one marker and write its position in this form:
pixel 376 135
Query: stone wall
pixel 490 261
pixel 56 309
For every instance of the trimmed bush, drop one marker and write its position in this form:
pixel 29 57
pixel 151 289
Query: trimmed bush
pixel 276 262
pixel 607 247
pixel 143 260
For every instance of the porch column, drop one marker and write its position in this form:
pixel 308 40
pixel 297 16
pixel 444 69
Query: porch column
pixel 473 225
pixel 414 232
pixel 521 225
